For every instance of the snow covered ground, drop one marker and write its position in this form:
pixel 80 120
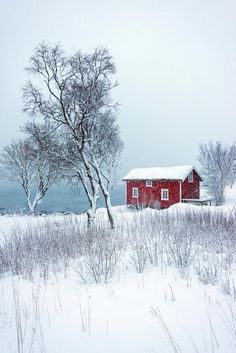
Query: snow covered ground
pixel 63 315
pixel 170 306
pixel 230 195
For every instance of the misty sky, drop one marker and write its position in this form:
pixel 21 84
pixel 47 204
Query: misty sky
pixel 176 65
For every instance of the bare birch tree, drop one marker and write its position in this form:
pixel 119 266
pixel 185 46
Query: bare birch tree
pixel 60 148
pixel 24 162
pixel 74 94
pixel 218 166
pixel 103 155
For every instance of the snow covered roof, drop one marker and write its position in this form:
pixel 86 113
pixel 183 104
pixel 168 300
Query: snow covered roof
pixel 167 173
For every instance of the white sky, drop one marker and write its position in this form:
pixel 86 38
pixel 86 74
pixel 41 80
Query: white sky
pixel 176 65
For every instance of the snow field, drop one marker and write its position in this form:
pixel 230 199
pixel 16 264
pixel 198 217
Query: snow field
pixel 170 284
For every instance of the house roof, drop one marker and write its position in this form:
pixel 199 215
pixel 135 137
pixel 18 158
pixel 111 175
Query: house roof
pixel 166 173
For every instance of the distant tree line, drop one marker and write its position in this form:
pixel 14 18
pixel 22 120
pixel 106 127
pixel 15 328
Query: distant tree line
pixel 73 134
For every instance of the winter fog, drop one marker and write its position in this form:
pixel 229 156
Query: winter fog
pixel 175 66
pixel 118 176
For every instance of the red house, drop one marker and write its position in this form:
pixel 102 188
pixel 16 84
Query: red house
pixel 162 187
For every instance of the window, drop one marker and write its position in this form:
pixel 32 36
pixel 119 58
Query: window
pixel 149 183
pixel 164 194
pixel 190 177
pixel 135 192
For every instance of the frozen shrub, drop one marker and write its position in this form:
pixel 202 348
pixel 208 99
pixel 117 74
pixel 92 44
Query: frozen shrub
pixel 41 248
pixel 137 251
pixel 100 256
pixel 228 287
pixel 180 246
pixel 202 237
pixel 227 261
pixel 207 272
pixel 138 257
pixel 154 239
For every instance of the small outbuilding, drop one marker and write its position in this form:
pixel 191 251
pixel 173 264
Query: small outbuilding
pixel 162 187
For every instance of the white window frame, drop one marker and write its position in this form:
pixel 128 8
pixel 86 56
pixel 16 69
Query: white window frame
pixel 148 183
pixel 163 191
pixel 190 177
pixel 135 193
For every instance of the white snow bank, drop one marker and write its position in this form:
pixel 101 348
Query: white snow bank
pixel 230 195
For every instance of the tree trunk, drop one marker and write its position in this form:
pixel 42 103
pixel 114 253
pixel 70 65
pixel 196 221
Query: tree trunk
pixel 93 206
pixel 109 209
pixel 31 206
pixel 219 195
pixel 93 193
pixel 107 199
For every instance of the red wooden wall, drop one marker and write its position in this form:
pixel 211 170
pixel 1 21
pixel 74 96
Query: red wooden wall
pixel 149 196
pixel 191 190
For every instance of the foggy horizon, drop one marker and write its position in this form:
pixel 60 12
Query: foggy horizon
pixel 175 67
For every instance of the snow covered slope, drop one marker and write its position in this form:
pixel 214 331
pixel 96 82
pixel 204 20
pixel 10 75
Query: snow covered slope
pixel 170 306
